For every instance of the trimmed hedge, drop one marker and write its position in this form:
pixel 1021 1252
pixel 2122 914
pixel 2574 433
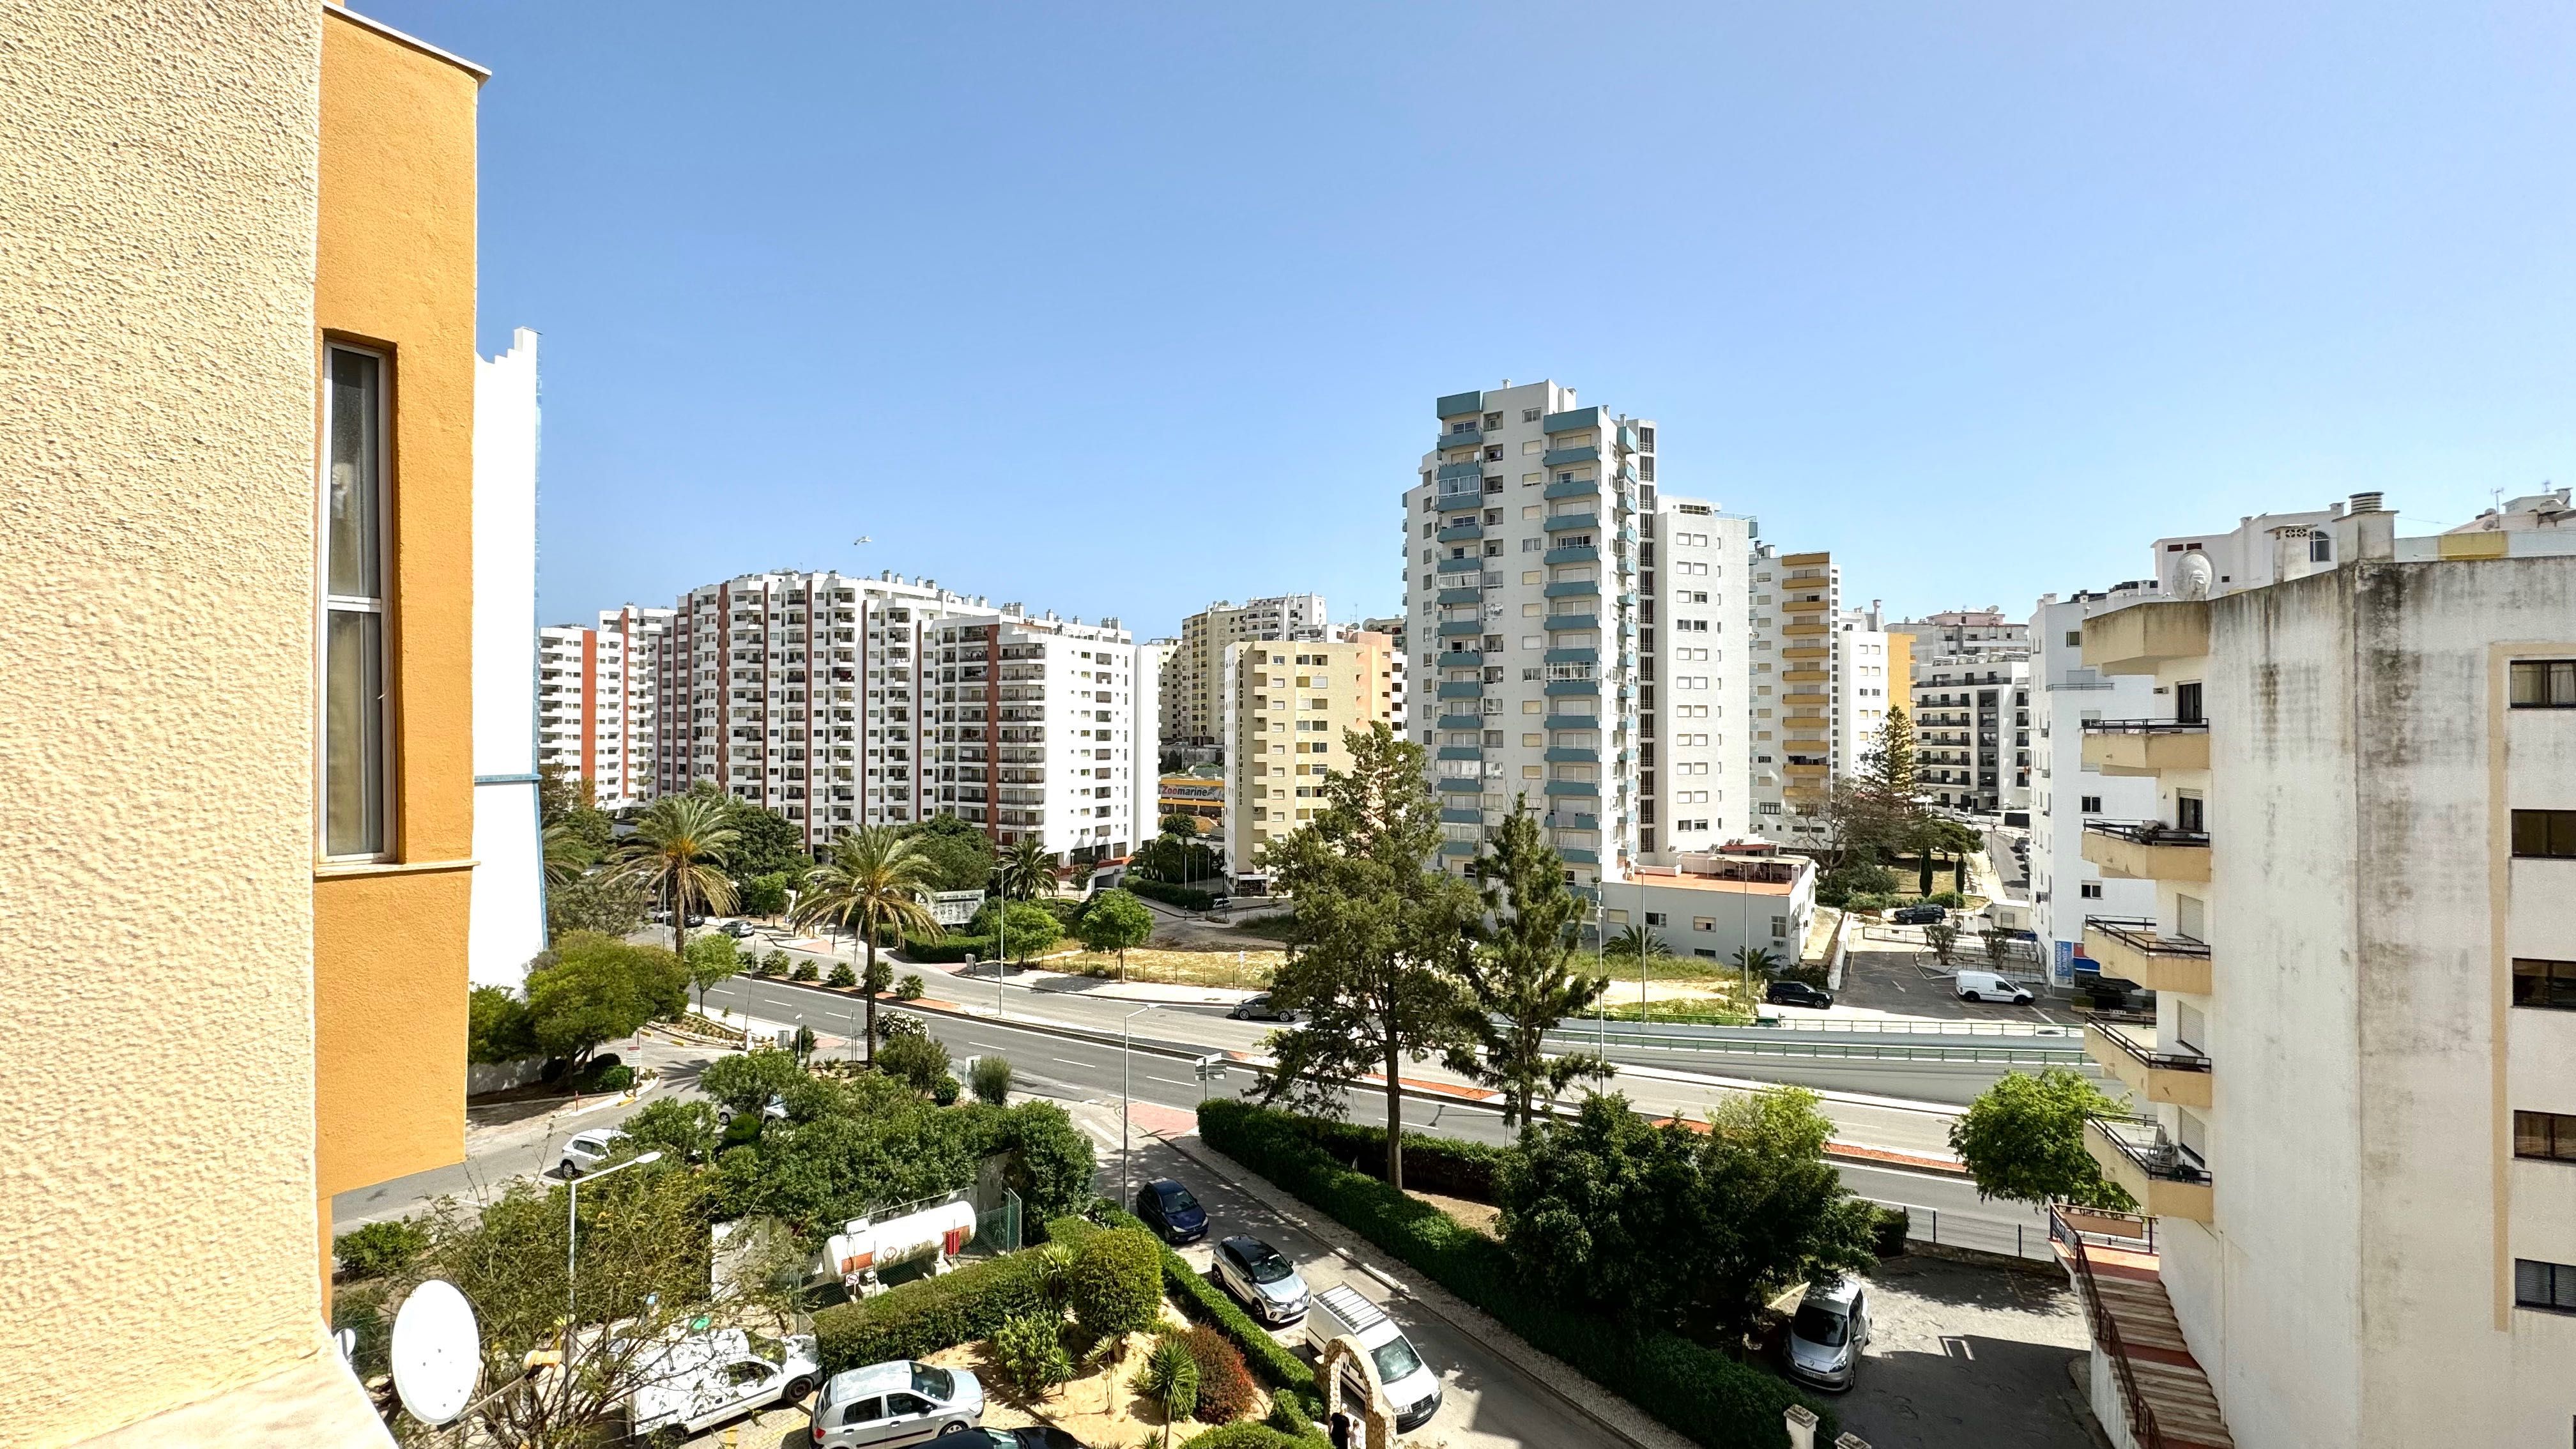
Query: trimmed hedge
pixel 1187 898
pixel 1247 1436
pixel 1203 1300
pixel 1702 1393
pixel 926 1315
pixel 947 950
pixel 1449 1166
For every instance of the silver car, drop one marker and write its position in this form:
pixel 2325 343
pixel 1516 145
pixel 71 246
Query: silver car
pixel 902 1402
pixel 1828 1333
pixel 1256 1273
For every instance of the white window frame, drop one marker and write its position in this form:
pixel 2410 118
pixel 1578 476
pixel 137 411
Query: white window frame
pixel 326 604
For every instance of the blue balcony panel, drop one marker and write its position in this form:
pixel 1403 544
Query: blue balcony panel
pixel 1570 621
pixel 1461 752
pixel 1472 438
pixel 1454 628
pixel 1461 594
pixel 1573 656
pixel 1562 755
pixel 1572 488
pixel 1460 532
pixel 1452 786
pixel 1473 470
pixel 1462 659
pixel 1457 847
pixel 1562 522
pixel 1570 588
pixel 1459 404
pixel 1571 457
pixel 1567 422
pixel 1578 855
pixel 1469 565
pixel 1463 689
pixel 1564 686
pixel 1574 787
pixel 1573 553
pixel 1572 722
pixel 1461 722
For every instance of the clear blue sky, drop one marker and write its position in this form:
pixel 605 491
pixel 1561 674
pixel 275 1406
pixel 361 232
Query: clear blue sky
pixel 1117 309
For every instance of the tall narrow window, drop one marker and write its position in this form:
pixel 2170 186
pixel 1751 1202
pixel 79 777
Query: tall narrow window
pixel 353 660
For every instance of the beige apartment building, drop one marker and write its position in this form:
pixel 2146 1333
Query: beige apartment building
pixel 2355 1112
pixel 1285 707
pixel 1191 708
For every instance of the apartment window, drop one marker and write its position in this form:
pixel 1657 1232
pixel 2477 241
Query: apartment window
pixel 1529 415
pixel 2090 890
pixel 2548 1136
pixel 2550 1287
pixel 2544 684
pixel 2089 804
pixel 2549 834
pixel 1654 918
pixel 2187 703
pixel 355 738
pixel 2549 984
pixel 2320 548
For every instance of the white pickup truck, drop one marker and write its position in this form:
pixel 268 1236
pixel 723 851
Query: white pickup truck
pixel 703 1379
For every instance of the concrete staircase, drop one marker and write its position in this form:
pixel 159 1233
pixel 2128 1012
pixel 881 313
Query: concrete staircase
pixel 2127 1289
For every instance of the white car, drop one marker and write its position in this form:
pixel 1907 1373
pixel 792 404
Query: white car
pixel 1827 1334
pixel 1987 986
pixel 704 1379
pixel 587 1150
pixel 1254 1272
pixel 902 1402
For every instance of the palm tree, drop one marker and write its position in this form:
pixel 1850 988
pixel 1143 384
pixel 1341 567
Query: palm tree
pixel 872 879
pixel 567 854
pixel 678 852
pixel 1635 943
pixel 1027 863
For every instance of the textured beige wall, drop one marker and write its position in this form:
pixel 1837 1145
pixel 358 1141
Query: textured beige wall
pixel 156 542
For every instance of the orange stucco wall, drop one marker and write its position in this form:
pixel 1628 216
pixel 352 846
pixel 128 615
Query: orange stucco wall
pixel 396 271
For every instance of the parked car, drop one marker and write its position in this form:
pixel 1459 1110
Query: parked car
pixel 1168 1209
pixel 1987 986
pixel 1828 1332
pixel 902 1402
pixel 696 920
pixel 1044 1436
pixel 589 1149
pixel 1410 1384
pixel 739 930
pixel 1263 1278
pixel 1918 915
pixel 1796 993
pixel 1262 1008
pixel 775 1110
pixel 704 1379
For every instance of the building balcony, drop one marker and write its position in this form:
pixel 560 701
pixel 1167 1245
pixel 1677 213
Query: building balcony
pixel 1471 438
pixel 1468 565
pixel 2145 746
pixel 1453 815
pixel 1462 689
pixel 1457 847
pixel 1572 488
pixel 1459 533
pixel 1571 722
pixel 1805 770
pixel 1572 656
pixel 1460 752
pixel 1562 522
pixel 1459 785
pixel 2131 949
pixel 1462 494
pixel 1461 594
pixel 1570 820
pixel 1461 628
pixel 1556 687
pixel 1570 755
pixel 1572 457
pixel 1461 722
pixel 2143 636
pixel 1578 855
pixel 1459 404
pixel 1571 554
pixel 1559 622
pixel 2181 1078
pixel 2146 850
pixel 1571 420
pixel 1462 659
pixel 1572 588
pixel 1801 631
pixel 1804 676
pixel 1574 787
pixel 2136 1154
pixel 1806 651
pixel 1801 699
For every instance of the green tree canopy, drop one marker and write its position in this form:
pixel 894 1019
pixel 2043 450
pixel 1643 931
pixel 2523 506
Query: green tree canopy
pixel 679 853
pixel 712 961
pixel 1887 766
pixel 496 1027
pixel 1379 938
pixel 747 1081
pixel 593 989
pixel 917 1061
pixel 2023 1141
pixel 1523 983
pixel 1026 870
pixel 1033 929
pixel 765 895
pixel 765 843
pixel 874 879
pixel 565 799
pixel 960 857
pixel 1666 1228
pixel 1114 921
pixel 599 901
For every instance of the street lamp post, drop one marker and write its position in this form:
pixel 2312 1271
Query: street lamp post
pixel 572 1236
pixel 1127 1107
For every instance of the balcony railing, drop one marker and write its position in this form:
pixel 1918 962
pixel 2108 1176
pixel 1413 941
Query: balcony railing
pixel 2151 1059
pixel 2143 1430
pixel 2145 726
pixel 2139 934
pixel 2148 832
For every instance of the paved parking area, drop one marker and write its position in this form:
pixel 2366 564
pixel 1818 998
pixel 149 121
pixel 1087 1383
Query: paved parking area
pixel 1969 1357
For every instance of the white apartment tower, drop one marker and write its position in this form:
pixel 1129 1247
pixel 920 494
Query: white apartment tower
pixel 1568 632
pixel 598 699
pixel 2069 703
pixel 2356 1110
pixel 1042 731
pixel 1971 694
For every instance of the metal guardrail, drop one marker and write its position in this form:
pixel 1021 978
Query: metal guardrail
pixel 2143 1430
pixel 2139 934
pixel 2031 1055
pixel 1868 1026
pixel 1984 1235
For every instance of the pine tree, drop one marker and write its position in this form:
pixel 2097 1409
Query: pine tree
pixel 1887 769
pixel 1521 986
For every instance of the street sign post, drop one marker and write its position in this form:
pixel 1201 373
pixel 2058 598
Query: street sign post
pixel 1210 1068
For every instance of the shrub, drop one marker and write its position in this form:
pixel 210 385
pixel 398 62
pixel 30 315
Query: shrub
pixel 773 964
pixel 842 975
pixel 1051 1162
pixel 803 971
pixel 1185 897
pixel 1694 1389
pixel 615 1077
pixel 1450 1166
pixel 909 988
pixel 948 950
pixel 496 1027
pixel 1251 1436
pixel 380 1250
pixel 1869 901
pixel 926 1315
pixel 945 1091
pixel 1029 1350
pixel 916 1061
pixel 686 1130
pixel 1208 1303
pixel 1170 1378
pixel 991 1079
pixel 1952 899
pixel 1225 1385
pixel 1116 1282
pixel 1894 1224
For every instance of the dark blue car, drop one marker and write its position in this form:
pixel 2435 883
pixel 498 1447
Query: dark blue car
pixel 1168 1209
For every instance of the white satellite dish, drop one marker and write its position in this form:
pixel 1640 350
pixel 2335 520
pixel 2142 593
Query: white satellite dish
pixel 437 1352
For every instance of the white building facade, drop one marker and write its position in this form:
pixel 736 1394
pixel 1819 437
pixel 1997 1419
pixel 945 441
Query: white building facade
pixel 2066 698
pixel 506 917
pixel 2355 1106
pixel 1042 733
pixel 1971 696
pixel 598 702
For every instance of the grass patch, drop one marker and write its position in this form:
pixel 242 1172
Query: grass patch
pixel 1715 1011
pixel 1272 927
pixel 1249 967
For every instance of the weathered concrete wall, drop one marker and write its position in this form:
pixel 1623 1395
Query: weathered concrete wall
pixel 156 711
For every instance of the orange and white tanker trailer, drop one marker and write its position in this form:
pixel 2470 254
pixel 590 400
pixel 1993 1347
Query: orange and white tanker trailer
pixel 864 1248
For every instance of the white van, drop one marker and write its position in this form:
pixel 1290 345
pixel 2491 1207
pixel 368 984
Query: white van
pixel 1411 1387
pixel 1987 986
